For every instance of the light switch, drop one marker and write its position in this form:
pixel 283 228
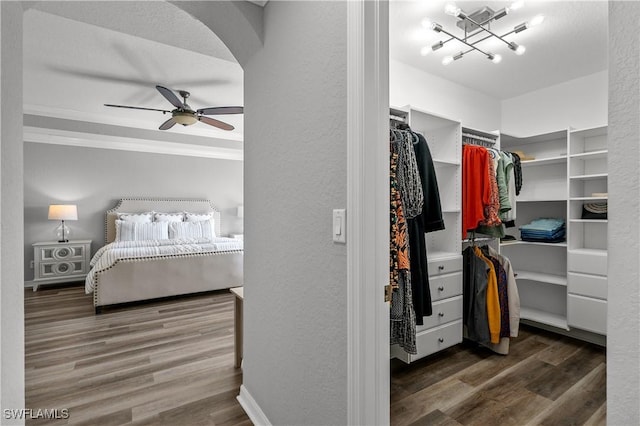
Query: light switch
pixel 339 226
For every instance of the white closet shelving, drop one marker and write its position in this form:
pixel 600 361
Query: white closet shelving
pixel 541 268
pixel 587 238
pixel 444 249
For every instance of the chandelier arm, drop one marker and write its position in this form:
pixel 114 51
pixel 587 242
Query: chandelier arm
pixel 462 41
pixel 480 26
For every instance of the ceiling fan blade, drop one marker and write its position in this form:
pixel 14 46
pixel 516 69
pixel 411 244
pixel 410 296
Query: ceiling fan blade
pixel 216 123
pixel 133 107
pixel 221 110
pixel 170 96
pixel 167 124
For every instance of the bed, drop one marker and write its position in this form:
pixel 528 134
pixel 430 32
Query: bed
pixel 153 268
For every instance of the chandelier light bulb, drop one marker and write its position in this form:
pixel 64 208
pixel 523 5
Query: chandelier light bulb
pixel 520 50
pixel 516 5
pixel 537 20
pixel 425 50
pixel 447 60
pixel 427 23
pixel 452 9
pixel 495 58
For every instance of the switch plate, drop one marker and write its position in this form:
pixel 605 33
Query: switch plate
pixel 339 226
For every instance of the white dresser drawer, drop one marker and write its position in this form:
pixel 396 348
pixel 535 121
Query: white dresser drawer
pixel 587 261
pixel 444 311
pixel 587 285
pixel 587 313
pixel 431 341
pixel 445 286
pixel 438 338
pixel 445 265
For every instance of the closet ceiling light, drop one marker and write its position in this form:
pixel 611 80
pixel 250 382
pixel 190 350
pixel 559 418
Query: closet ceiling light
pixel 476 23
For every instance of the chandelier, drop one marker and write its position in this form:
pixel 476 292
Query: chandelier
pixel 477 28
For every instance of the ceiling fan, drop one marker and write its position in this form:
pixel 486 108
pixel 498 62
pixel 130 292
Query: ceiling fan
pixel 183 114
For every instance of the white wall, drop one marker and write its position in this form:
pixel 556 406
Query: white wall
pixel 411 86
pixel 295 353
pixel 623 330
pixel 11 260
pixel 579 103
pixel 94 179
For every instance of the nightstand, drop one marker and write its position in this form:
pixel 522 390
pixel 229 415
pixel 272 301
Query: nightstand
pixel 237 236
pixel 55 262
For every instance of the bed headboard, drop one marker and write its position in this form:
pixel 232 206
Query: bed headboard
pixel 165 205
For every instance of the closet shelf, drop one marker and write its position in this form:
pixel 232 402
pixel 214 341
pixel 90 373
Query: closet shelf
pixel 592 155
pixel 541 277
pixel 532 243
pixel 588 198
pixel 589 251
pixel 544 161
pixel 589 177
pixel 451 210
pixel 543 317
pixel 588 220
pixel 539 200
pixel 439 255
pixel 437 162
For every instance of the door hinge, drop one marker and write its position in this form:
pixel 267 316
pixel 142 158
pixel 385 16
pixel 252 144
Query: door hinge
pixel 387 293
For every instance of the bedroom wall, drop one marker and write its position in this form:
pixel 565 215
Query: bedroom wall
pixel 295 353
pixel 411 86
pixel 95 179
pixel 11 260
pixel 579 103
pixel 623 328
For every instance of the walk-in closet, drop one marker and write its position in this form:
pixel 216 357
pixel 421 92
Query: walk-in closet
pixel 498 315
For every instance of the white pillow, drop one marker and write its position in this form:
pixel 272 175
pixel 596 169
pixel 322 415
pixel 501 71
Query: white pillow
pixel 136 217
pixel 181 230
pixel 168 217
pixel 200 217
pixel 136 231
pixel 195 217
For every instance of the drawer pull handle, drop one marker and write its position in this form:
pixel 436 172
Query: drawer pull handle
pixel 440 314
pixel 441 340
pixel 441 268
pixel 441 288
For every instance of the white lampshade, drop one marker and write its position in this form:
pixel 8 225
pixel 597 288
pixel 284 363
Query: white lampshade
pixel 63 212
pixel 240 211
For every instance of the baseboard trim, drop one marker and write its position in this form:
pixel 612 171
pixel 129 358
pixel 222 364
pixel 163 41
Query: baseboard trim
pixel 251 407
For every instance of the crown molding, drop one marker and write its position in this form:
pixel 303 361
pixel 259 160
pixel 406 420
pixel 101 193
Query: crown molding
pixel 102 141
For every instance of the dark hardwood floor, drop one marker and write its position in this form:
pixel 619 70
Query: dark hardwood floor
pixel 546 379
pixel 171 363
pixel 164 363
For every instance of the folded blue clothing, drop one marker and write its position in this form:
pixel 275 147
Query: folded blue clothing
pixel 560 231
pixel 544 224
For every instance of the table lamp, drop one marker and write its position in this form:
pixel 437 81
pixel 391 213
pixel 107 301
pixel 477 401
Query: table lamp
pixel 63 212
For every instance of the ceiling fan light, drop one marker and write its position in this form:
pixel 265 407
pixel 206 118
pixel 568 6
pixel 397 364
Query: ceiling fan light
pixel 184 118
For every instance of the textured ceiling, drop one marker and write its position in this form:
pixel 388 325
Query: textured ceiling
pixel 570 43
pixel 80 55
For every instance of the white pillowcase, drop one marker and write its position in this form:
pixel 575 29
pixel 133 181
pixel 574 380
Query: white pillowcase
pixel 181 230
pixel 136 231
pixel 201 217
pixel 168 217
pixel 136 217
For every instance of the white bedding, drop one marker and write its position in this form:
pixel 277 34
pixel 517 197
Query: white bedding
pixel 107 255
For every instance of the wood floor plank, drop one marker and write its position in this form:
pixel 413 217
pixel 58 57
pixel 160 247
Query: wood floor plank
pixel 546 379
pixel 163 363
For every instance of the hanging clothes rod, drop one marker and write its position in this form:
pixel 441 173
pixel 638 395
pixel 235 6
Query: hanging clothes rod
pixel 478 138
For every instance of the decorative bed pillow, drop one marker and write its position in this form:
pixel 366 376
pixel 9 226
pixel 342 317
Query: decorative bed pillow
pixel 168 217
pixel 181 230
pixel 201 217
pixel 136 231
pixel 136 217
